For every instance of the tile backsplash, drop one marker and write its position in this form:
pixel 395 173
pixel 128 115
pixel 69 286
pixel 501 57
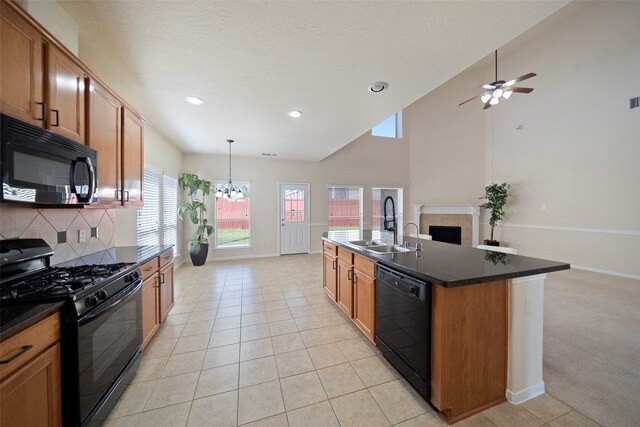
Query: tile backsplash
pixel 24 222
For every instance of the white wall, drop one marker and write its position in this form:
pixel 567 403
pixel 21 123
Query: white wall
pixel 577 150
pixel 55 19
pixel 367 161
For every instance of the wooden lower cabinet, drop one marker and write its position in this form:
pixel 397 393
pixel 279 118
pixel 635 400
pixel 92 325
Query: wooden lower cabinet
pixel 364 302
pixel 166 290
pixel 157 293
pixel 32 396
pixel 344 295
pixel 30 390
pixel 330 271
pixel 469 348
pixel 150 308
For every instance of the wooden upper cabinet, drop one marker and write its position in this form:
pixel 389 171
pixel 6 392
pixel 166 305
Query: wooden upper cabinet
pixel 21 69
pixel 132 159
pixel 105 136
pixel 66 97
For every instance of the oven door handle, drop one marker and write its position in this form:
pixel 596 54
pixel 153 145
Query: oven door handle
pixel 101 309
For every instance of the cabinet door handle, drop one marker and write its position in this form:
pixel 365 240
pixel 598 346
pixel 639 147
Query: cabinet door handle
pixel 44 111
pixel 127 193
pixel 335 264
pixel 162 278
pixel 20 352
pixel 157 285
pixel 355 278
pixel 350 275
pixel 118 198
pixel 148 268
pixel 57 118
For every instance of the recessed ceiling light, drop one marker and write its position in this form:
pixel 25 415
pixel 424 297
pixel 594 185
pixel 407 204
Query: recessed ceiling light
pixel 194 100
pixel 378 87
pixel 294 113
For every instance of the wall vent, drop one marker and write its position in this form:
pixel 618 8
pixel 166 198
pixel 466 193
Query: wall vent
pixel 634 102
pixel 268 154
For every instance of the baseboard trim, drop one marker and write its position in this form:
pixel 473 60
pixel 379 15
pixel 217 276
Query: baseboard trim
pixel 612 273
pixel 239 257
pixel 523 395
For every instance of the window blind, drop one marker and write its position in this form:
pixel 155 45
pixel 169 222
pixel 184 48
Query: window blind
pixel 148 224
pixel 169 210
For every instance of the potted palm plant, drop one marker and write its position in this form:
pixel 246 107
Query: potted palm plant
pixel 495 196
pixel 196 209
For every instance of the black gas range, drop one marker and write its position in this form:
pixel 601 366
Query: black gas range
pixel 101 330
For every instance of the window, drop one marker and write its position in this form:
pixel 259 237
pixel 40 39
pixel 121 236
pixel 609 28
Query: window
pixel 169 211
pixel 148 225
pixel 157 221
pixel 391 127
pixel 377 201
pixel 233 218
pixel 345 210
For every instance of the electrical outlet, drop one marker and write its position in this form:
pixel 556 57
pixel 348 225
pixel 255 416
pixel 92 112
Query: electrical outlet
pixel 97 233
pixel 82 237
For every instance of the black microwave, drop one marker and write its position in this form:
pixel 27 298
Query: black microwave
pixel 41 167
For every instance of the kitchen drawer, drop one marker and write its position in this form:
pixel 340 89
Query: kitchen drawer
pixel 329 248
pixel 149 268
pixel 38 337
pixel 166 258
pixel 345 255
pixel 364 265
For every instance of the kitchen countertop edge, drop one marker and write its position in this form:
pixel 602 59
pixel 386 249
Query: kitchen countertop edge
pixel 382 260
pixel 28 315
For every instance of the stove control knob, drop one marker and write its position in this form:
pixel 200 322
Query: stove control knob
pixel 128 278
pixel 91 301
pixel 135 275
pixel 102 295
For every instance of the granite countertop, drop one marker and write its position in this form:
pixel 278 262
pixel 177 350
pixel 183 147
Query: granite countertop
pixel 128 254
pixel 446 264
pixel 15 317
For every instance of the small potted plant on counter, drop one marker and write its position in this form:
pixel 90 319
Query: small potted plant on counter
pixel 196 208
pixel 495 196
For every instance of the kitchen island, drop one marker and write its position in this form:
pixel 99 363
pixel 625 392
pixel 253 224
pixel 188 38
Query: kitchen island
pixel 482 337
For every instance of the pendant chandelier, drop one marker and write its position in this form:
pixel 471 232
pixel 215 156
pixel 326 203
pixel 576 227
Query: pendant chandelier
pixel 229 191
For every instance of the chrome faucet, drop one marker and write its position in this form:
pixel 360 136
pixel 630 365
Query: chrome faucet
pixel 418 245
pixel 392 221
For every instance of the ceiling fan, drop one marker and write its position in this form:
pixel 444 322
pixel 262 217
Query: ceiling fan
pixel 500 88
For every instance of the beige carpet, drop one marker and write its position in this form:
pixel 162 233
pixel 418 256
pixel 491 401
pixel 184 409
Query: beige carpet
pixel 592 345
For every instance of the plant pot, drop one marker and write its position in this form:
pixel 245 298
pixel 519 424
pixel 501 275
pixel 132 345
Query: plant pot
pixel 492 243
pixel 199 258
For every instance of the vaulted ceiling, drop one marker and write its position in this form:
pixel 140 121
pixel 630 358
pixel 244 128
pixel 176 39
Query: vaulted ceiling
pixel 253 61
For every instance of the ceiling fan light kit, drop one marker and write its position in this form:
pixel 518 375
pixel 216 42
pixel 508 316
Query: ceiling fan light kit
pixel 500 88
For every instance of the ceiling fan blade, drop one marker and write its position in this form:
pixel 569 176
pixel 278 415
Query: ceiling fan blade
pixel 521 89
pixel 487 104
pixel 519 79
pixel 471 99
pixel 488 87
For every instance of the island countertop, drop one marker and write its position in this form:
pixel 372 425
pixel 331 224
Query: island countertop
pixel 446 264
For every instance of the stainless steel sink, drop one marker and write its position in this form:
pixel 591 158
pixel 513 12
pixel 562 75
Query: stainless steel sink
pixel 363 244
pixel 388 249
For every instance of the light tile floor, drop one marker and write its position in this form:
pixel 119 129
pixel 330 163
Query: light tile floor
pixel 257 343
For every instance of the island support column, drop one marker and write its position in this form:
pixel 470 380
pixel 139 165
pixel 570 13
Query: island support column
pixel 526 307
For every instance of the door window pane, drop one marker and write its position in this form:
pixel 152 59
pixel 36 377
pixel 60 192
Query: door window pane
pixel 293 205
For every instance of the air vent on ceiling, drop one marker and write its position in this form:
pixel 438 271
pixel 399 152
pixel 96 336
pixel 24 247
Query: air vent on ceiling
pixel 268 154
pixel 634 102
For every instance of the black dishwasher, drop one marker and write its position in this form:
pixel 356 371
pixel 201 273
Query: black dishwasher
pixel 403 326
